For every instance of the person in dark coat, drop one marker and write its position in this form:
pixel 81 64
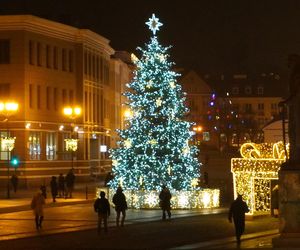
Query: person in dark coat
pixel 119 200
pixel 102 207
pixel 61 185
pixel 237 211
pixel 70 180
pixel 14 181
pixel 165 202
pixel 54 188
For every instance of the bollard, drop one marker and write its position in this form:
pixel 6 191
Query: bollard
pixel 86 192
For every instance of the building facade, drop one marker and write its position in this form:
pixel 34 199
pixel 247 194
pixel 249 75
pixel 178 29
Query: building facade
pixel 44 67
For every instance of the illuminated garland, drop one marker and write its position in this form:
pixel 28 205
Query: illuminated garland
pixel 206 198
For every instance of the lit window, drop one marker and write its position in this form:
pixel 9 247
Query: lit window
pixel 50 146
pixel 34 146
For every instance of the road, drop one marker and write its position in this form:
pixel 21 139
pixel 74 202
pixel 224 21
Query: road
pixel 74 227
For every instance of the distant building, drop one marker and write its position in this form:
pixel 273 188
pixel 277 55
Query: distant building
pixel 244 105
pixel 46 66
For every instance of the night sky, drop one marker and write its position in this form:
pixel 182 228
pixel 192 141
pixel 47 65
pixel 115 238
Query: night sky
pixel 208 36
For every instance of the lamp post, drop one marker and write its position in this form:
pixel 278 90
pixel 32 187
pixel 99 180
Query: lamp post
pixel 72 143
pixel 7 109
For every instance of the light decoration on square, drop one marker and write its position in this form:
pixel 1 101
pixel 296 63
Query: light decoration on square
pixel 252 174
pixel 205 198
pixel 7 143
pixel 154 146
pixel 71 144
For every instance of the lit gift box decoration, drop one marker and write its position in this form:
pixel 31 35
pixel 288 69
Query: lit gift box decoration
pixel 253 173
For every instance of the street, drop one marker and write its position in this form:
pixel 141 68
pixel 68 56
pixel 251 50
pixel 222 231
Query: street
pixel 74 226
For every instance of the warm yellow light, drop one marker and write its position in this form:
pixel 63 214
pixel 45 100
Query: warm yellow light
pixel 71 144
pixel 9 106
pixel 68 111
pixel 127 113
pixel 197 128
pixel 77 111
pixel 253 173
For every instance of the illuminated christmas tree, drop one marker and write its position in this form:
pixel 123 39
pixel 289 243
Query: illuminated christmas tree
pixel 154 148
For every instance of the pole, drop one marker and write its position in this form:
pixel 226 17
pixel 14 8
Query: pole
pixel 7 148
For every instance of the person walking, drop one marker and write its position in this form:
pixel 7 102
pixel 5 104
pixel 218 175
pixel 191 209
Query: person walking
pixel 165 202
pixel 70 180
pixel 61 185
pixel 120 203
pixel 54 188
pixel 37 203
pixel 102 207
pixel 14 181
pixel 237 211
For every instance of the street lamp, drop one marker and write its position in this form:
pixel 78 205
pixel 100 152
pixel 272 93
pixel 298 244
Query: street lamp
pixel 72 143
pixel 7 109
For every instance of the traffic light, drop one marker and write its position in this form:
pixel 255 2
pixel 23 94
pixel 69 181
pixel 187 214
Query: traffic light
pixel 15 161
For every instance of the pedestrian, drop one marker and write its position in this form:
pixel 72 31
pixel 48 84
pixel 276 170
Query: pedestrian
pixel 14 181
pixel 61 185
pixel 70 179
pixel 275 202
pixel 102 207
pixel 120 203
pixel 37 203
pixel 237 211
pixel 44 191
pixel 165 202
pixel 54 188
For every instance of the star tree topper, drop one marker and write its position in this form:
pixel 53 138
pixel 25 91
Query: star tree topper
pixel 154 24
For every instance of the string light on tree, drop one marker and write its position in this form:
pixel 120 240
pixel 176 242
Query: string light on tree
pixel 154 146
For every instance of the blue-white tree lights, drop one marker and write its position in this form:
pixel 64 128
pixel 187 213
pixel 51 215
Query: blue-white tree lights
pixel 154 146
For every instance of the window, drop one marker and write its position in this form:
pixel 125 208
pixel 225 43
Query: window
pixel 34 147
pixel 38 96
pixel 4 154
pixel 248 90
pixel 64 96
pixel 39 54
pixel 55 58
pixel 71 63
pixel 55 98
pixel 260 90
pixel 48 56
pixel 85 62
pixel 30 96
pixel 248 108
pixel 31 52
pixel 4 51
pixel 235 90
pixel 48 97
pixel 260 106
pixel 4 90
pixel 71 97
pixel 64 59
pixel 50 146
pixel 274 106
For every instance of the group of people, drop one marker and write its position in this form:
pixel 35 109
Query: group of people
pixel 64 188
pixel 102 207
pixel 236 213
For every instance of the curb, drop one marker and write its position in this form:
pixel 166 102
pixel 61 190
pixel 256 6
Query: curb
pixel 21 208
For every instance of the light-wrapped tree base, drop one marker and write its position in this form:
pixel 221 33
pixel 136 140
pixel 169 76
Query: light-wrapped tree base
pixel 142 199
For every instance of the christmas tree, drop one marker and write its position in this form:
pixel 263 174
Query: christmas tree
pixel 154 147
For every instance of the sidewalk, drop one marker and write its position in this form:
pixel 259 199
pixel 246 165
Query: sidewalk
pixel 20 201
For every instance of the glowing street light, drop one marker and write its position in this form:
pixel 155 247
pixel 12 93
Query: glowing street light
pixel 8 109
pixel 71 143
